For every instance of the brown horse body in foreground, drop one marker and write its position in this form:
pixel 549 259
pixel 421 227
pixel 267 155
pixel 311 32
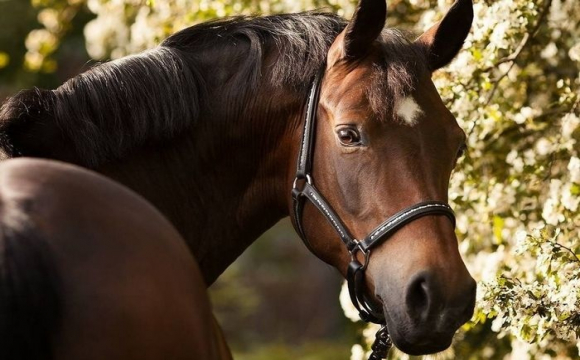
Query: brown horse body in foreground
pixel 207 128
pixel 95 272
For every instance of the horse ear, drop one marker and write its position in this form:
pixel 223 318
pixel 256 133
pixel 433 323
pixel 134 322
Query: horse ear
pixel 364 28
pixel 444 39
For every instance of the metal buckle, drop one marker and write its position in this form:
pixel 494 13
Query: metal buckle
pixel 366 253
pixel 295 190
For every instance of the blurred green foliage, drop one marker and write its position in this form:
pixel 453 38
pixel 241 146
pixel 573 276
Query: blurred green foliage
pixel 278 300
pixel 65 52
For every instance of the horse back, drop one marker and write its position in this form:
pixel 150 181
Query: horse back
pixel 92 271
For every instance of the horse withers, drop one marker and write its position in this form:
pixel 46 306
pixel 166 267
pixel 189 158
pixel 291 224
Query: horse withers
pixel 89 270
pixel 209 125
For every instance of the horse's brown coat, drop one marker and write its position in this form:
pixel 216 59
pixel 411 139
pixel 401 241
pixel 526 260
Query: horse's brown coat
pixel 129 289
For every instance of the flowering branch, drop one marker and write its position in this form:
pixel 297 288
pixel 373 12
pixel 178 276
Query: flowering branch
pixel 558 245
pixel 513 57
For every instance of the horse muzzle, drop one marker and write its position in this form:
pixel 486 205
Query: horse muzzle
pixel 427 318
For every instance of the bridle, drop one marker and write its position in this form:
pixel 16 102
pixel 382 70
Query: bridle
pixel 303 189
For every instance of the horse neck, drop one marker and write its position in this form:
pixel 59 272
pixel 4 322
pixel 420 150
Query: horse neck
pixel 220 173
pixel 223 183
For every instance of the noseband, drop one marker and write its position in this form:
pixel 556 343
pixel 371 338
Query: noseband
pixel 303 189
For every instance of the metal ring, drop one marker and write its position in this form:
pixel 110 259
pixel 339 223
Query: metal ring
pixel 367 257
pixel 307 177
pixel 366 253
pixel 295 183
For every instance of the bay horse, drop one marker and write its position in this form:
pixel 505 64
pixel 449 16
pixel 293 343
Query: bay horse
pixel 208 127
pixel 90 270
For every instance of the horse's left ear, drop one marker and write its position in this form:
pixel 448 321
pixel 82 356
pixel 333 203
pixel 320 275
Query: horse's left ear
pixel 444 39
pixel 364 28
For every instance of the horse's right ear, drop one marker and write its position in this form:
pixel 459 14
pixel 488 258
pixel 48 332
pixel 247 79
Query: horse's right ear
pixel 364 28
pixel 444 39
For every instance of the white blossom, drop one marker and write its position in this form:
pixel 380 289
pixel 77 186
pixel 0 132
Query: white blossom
pixel 357 353
pixel 570 123
pixel 570 200
pixel 349 310
pixel 574 52
pixel 574 168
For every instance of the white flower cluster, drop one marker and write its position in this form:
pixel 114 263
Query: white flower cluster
pixel 511 102
pixel 123 27
pixel 540 306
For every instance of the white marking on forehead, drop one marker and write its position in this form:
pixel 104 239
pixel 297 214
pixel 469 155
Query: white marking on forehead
pixel 408 110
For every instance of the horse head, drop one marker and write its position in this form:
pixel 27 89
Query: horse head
pixel 385 142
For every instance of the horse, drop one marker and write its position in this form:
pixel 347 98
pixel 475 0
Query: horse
pixel 93 271
pixel 209 125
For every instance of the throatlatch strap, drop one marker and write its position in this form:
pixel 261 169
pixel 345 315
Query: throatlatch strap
pixel 298 208
pixel 322 205
pixel 355 281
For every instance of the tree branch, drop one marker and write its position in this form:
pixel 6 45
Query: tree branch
pixel 527 37
pixel 513 57
pixel 557 244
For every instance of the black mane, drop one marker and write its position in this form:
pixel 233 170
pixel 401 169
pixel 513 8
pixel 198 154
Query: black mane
pixel 153 96
pixel 301 40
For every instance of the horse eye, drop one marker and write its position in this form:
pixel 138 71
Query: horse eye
pixel 348 136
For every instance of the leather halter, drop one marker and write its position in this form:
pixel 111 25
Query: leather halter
pixel 304 189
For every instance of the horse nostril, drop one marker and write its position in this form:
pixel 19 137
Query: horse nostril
pixel 418 297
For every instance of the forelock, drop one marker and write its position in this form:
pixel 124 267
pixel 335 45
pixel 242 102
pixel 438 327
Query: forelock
pixel 395 75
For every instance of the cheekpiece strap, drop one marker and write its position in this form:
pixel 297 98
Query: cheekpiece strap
pixel 307 145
